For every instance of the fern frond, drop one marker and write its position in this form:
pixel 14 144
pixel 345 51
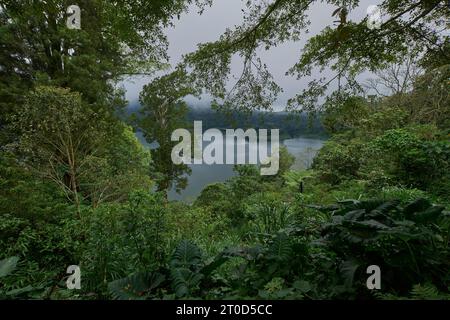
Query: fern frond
pixel 424 292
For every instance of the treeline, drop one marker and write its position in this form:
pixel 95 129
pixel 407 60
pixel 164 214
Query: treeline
pixel 290 125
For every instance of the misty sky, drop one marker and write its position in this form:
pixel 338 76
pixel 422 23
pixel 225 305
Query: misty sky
pixel 193 28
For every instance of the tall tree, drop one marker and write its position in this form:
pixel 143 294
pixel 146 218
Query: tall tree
pixel 116 38
pixel 64 140
pixel 163 111
pixel 347 49
pixel 58 133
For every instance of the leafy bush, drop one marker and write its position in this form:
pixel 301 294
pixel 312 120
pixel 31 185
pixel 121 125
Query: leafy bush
pixel 186 272
pixel 336 162
pixel 369 232
pixel 119 239
pixel 413 161
pixel 266 214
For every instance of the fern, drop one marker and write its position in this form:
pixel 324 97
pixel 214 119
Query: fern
pixel 425 292
pixel 418 292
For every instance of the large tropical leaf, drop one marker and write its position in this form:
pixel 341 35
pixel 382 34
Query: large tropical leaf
pixel 280 249
pixel 348 270
pixel 136 286
pixel 8 265
pixel 416 206
pixel 429 214
pixel 387 206
pixel 184 281
pixel 371 224
pixel 186 255
pixel 354 214
pixel 218 260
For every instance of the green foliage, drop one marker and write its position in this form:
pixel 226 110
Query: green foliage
pixel 186 255
pixel 66 142
pixel 186 271
pixel 413 160
pixel 7 266
pixel 348 48
pixel 134 43
pixel 266 215
pixel 345 113
pixel 163 111
pixel 75 183
pixel 337 162
pixel 135 287
pixel 418 292
pixel 294 178
pixel 219 198
pixel 119 239
pixel 402 194
pixel 369 231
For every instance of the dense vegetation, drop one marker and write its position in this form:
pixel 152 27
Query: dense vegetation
pixel 77 188
pixel 290 125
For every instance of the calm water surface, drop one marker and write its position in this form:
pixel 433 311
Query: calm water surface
pixel 303 149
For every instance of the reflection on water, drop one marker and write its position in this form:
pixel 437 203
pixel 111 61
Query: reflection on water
pixel 303 149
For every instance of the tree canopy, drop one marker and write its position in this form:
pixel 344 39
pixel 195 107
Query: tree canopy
pixel 347 49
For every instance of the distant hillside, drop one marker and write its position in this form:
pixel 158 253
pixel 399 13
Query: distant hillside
pixel 290 125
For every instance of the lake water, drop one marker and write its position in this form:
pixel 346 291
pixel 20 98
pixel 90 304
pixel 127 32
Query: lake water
pixel 303 149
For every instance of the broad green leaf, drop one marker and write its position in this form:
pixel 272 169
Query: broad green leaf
pixel 7 266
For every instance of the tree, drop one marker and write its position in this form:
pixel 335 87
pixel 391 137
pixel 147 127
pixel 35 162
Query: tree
pixel 66 141
pixel 58 133
pixel 347 49
pixel 117 38
pixel 120 168
pixel 344 113
pixel 163 111
pixel 396 79
pixel 429 101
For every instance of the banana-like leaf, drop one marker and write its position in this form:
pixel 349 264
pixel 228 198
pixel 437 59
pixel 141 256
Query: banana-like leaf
pixel 184 281
pixel 428 215
pixel 135 286
pixel 416 206
pixel 8 265
pixel 186 255
pixel 348 270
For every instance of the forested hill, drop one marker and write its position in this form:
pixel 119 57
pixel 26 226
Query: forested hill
pixel 290 125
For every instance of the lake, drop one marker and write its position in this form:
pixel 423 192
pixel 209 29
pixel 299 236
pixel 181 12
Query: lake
pixel 303 149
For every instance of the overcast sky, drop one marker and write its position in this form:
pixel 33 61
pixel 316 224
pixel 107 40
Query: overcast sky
pixel 193 29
